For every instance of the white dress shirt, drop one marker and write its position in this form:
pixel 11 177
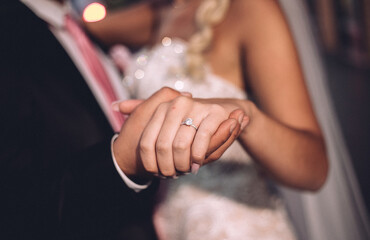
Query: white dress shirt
pixel 54 13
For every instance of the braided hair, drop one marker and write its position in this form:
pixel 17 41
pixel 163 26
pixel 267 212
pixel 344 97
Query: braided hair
pixel 209 13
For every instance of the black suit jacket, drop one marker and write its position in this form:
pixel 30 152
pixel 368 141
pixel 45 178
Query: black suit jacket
pixel 57 178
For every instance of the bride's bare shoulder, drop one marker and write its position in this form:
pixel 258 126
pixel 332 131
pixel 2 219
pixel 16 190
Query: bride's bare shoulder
pixel 254 15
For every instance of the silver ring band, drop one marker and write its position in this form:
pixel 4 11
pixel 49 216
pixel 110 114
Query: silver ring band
pixel 189 122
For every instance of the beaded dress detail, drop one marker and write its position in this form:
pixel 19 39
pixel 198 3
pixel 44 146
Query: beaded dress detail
pixel 227 199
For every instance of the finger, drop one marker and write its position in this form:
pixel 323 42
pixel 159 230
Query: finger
pixel 132 130
pixel 238 115
pixel 182 145
pixel 148 141
pixel 215 155
pixel 225 131
pixel 222 134
pixel 166 144
pixel 244 123
pixel 127 106
pixel 206 130
pixel 201 144
pixel 224 146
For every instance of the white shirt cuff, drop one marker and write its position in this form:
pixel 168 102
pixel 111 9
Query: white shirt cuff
pixel 134 186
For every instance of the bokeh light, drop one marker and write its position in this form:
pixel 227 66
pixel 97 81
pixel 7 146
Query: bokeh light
pixel 94 12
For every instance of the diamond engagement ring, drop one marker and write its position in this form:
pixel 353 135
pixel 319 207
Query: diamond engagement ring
pixel 189 122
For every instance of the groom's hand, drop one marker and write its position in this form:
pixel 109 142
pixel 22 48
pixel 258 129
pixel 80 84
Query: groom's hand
pixel 125 148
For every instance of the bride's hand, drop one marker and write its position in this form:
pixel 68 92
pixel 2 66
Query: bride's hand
pixel 169 147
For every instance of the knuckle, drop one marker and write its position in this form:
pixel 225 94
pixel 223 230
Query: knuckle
pixel 181 100
pixel 162 106
pixel 205 133
pixel 145 147
pixel 180 146
pixel 162 147
pixel 168 90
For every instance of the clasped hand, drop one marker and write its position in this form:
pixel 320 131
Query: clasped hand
pixel 153 141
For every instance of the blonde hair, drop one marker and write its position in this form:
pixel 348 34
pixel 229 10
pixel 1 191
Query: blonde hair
pixel 209 13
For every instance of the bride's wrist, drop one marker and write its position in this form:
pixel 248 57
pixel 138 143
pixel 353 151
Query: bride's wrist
pixel 251 113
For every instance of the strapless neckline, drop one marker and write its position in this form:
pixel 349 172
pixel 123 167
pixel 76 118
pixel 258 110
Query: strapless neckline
pixel 171 51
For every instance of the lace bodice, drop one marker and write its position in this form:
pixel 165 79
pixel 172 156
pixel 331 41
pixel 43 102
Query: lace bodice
pixel 228 199
pixel 162 65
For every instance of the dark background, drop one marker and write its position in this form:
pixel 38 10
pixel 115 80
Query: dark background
pixel 343 32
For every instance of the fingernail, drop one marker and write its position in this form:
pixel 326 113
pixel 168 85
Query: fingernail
pixel 244 123
pixel 240 118
pixel 195 168
pixel 115 106
pixel 232 127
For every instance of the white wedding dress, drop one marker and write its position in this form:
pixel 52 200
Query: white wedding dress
pixel 228 199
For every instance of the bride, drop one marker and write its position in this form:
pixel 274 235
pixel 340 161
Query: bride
pixel 217 49
pixel 236 51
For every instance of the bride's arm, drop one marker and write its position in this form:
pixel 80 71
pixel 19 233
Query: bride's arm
pixel 295 156
pixel 283 135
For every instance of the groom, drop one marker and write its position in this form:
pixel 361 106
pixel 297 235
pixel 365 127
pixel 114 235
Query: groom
pixel 57 176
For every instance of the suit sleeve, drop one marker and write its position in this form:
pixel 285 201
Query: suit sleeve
pixel 103 200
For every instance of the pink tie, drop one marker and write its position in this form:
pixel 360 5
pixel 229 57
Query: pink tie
pixel 89 54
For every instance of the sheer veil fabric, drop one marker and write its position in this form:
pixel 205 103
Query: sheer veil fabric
pixel 337 211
